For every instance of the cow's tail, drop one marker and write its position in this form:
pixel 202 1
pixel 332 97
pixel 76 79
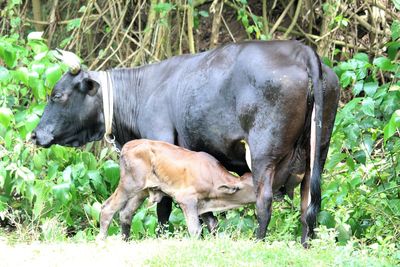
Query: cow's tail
pixel 315 71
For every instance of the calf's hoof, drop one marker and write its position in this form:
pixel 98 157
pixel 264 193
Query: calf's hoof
pixel 100 237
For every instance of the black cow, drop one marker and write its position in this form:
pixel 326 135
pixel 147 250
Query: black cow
pixel 266 93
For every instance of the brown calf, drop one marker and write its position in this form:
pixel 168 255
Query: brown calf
pixel 196 180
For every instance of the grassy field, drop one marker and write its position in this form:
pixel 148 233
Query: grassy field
pixel 186 252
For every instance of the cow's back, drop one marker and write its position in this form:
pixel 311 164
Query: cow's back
pixel 221 97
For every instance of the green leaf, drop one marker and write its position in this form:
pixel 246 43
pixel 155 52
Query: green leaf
pixel 37 86
pixel 61 191
pixel 368 106
pixel 334 160
pixel 74 23
pixel 8 54
pixel 137 222
pixel 358 87
pixel 4 75
pixel 39 160
pixel 347 78
pixel 392 126
pixel 53 74
pixel 384 64
pixel 327 62
pixel 95 211
pixel 38 46
pixel 348 65
pixel 249 29
pixel 6 116
pixel 350 163
pixel 394 205
pixel 203 13
pixel 395 29
pixel 355 182
pixel 52 170
pixel 38 68
pixel 97 181
pixel 344 233
pixel 396 4
pixel 393 49
pixel 370 88
pixel 163 7
pixel 150 224
pixel 326 218
pixel 22 75
pixel 111 171
pixel 360 156
pixel 362 57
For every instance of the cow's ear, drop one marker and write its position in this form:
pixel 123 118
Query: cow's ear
pixel 89 86
pixel 229 189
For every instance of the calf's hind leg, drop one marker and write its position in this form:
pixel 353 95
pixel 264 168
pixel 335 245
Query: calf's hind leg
pixel 126 214
pixel 113 204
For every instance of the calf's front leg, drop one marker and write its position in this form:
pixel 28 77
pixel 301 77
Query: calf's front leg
pixel 189 207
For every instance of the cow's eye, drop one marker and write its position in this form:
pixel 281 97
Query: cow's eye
pixel 57 96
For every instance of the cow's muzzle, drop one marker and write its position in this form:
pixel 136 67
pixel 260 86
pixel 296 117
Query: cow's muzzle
pixel 41 138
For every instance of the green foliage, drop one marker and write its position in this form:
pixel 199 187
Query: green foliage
pixel 360 187
pixel 253 26
pixel 361 196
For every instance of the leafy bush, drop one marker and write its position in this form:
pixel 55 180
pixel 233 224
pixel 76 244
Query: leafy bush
pixel 361 183
pixel 45 183
pixel 361 197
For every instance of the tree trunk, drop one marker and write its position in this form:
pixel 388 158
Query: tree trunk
pixel 216 23
pixel 327 19
pixel 37 14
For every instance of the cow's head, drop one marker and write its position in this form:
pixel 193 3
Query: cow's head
pixel 73 114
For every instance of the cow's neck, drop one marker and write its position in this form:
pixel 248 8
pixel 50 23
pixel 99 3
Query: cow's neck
pixel 127 90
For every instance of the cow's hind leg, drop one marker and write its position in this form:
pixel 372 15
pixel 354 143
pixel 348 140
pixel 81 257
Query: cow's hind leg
pixel 211 221
pixel 126 214
pixel 264 197
pixel 113 204
pixel 266 152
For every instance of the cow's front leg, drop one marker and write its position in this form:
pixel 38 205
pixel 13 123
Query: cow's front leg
pixel 164 208
pixel 211 222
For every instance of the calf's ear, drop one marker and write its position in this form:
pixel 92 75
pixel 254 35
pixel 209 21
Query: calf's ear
pixel 89 86
pixel 229 189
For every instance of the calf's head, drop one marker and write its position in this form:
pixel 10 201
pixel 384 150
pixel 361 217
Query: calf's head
pixel 241 192
pixel 73 115
pixel 238 192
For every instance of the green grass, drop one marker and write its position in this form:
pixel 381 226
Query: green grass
pixel 227 252
pixel 218 251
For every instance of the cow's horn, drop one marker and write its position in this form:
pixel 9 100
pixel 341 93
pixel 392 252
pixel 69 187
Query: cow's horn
pixel 70 59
